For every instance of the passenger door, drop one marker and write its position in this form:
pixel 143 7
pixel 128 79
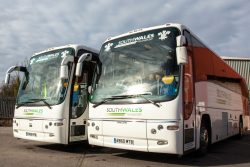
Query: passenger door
pixel 78 112
pixel 78 109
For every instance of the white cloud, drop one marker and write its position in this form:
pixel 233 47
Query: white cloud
pixel 29 26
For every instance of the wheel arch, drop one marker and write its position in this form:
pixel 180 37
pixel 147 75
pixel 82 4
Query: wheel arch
pixel 205 119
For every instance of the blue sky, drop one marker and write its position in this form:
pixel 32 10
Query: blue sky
pixel 29 26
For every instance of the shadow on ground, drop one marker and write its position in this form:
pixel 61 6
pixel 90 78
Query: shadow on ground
pixel 222 153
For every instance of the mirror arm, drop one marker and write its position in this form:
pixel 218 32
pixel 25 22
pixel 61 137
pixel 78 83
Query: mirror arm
pixel 83 57
pixel 66 60
pixel 16 68
pixel 181 41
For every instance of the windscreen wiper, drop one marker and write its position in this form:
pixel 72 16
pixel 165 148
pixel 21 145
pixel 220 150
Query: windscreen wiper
pixel 126 97
pixel 34 101
pixel 153 102
pixel 107 99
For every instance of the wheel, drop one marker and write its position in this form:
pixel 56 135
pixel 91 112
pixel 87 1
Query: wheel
pixel 204 139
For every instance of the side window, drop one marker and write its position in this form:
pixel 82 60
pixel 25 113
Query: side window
pixel 188 38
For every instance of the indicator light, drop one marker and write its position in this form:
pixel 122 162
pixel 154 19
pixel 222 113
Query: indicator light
pixel 173 127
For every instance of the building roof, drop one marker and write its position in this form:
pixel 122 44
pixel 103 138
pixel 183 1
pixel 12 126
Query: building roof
pixel 235 58
pixel 241 65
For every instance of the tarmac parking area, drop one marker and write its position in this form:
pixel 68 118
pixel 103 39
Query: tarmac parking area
pixel 24 153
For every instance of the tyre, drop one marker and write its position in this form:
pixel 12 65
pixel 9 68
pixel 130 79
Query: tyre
pixel 204 139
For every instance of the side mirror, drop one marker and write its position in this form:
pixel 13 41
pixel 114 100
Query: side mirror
pixel 78 69
pixel 64 72
pixel 83 57
pixel 181 50
pixel 181 53
pixel 89 89
pixel 7 78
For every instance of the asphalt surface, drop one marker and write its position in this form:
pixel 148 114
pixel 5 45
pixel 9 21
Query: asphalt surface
pixel 24 153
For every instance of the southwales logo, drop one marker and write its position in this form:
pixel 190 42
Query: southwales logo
pixel 32 111
pixel 123 111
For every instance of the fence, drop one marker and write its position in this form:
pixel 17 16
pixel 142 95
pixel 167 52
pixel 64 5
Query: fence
pixel 7 106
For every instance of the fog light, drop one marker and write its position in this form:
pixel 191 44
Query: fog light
pixel 93 124
pixel 15 130
pixel 97 128
pixel 153 131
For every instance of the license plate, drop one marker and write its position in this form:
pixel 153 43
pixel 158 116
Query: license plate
pixel 124 141
pixel 30 134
